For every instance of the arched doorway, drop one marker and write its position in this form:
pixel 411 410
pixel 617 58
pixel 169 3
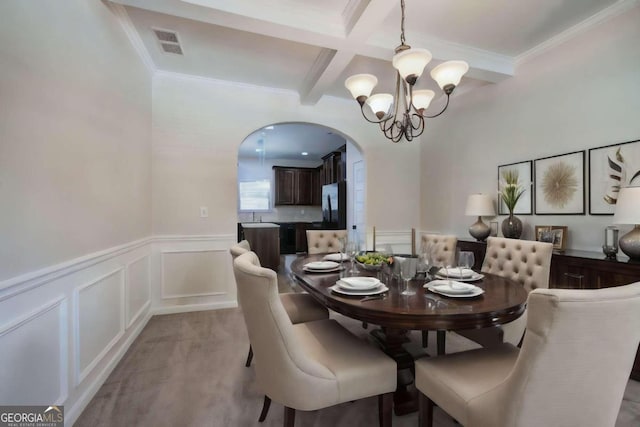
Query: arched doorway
pixel 281 147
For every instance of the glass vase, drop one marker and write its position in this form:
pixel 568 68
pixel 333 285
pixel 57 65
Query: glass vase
pixel 512 227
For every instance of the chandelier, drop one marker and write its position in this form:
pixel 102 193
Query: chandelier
pixel 404 114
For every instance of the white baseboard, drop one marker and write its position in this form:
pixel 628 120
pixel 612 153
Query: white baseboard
pixel 194 307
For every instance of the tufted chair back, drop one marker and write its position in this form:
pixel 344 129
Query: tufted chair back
pixel 444 248
pixel 325 241
pixel 526 262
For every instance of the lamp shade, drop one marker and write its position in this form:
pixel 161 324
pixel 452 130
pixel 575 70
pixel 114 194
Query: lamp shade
pixel 361 84
pixel 380 104
pixel 628 206
pixel 480 205
pixel 411 62
pixel 449 72
pixel 422 98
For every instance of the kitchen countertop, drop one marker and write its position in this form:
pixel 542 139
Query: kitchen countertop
pixel 259 225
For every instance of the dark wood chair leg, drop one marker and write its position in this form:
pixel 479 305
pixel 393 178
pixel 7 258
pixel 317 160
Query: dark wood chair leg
pixel 265 408
pixel 365 325
pixel 442 335
pixel 249 357
pixel 425 339
pixel 289 417
pixel 425 416
pixel 385 406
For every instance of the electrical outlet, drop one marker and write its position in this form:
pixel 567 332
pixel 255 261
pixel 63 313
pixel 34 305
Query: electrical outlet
pixel 204 212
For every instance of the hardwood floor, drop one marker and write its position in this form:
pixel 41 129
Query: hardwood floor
pixel 188 369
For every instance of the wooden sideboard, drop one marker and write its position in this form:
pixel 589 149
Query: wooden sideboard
pixel 573 269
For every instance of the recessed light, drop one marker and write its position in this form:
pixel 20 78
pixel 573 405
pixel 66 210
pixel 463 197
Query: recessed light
pixel 304 153
pixel 258 150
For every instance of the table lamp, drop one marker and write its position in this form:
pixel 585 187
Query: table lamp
pixel 628 212
pixel 480 205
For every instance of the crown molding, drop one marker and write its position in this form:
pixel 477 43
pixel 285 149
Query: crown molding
pixel 132 34
pixel 604 15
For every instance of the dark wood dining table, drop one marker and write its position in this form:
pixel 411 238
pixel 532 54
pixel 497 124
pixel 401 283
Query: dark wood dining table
pixel 503 301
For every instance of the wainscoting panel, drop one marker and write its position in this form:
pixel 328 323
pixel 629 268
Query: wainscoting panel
pixel 33 359
pixel 64 328
pixel 193 273
pixel 138 288
pixel 99 320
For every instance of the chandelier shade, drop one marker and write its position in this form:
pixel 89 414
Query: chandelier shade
pixel 402 115
pixel 361 84
pixel 422 99
pixel 380 104
pixel 410 63
pixel 449 73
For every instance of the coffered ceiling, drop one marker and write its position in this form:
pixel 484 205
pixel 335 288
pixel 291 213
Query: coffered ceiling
pixel 311 46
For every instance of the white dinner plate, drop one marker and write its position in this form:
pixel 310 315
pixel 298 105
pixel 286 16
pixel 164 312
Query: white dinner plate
pixel 443 287
pixel 336 257
pixel 381 288
pixel 321 265
pixel 311 270
pixel 474 278
pixel 358 283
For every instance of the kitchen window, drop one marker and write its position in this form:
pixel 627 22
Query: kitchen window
pixel 255 196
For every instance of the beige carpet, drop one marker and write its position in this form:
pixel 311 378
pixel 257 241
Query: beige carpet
pixel 188 370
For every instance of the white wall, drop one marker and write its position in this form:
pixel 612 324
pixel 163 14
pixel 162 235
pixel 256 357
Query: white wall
pixel 582 94
pixel 198 125
pixel 75 166
pixel 75 200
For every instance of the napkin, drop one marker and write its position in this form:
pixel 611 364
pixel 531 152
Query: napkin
pixel 455 272
pixel 336 257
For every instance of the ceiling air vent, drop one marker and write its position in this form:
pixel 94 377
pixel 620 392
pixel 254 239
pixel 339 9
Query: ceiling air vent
pixel 171 48
pixel 169 41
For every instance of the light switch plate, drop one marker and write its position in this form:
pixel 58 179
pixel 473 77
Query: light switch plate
pixel 204 212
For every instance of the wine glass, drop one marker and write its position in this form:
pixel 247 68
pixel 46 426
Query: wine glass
pixel 466 260
pixel 407 272
pixel 352 251
pixel 425 259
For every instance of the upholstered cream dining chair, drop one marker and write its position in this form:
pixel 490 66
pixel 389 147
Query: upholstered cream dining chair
pixel 307 366
pixel 443 248
pixel 301 307
pixel 443 253
pixel 325 241
pixel 572 369
pixel 524 261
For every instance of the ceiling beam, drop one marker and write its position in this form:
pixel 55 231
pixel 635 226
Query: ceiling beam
pixel 360 33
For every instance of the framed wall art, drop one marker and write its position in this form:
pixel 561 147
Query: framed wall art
pixel 556 234
pixel 525 177
pixel 559 184
pixel 610 168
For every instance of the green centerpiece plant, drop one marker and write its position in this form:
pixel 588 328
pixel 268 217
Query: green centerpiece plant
pixel 510 192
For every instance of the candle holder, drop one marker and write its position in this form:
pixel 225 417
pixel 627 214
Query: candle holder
pixel 610 247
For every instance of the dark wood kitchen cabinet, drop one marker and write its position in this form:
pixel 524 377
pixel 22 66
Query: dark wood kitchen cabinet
pixel 296 186
pixel 334 166
pixel 573 269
